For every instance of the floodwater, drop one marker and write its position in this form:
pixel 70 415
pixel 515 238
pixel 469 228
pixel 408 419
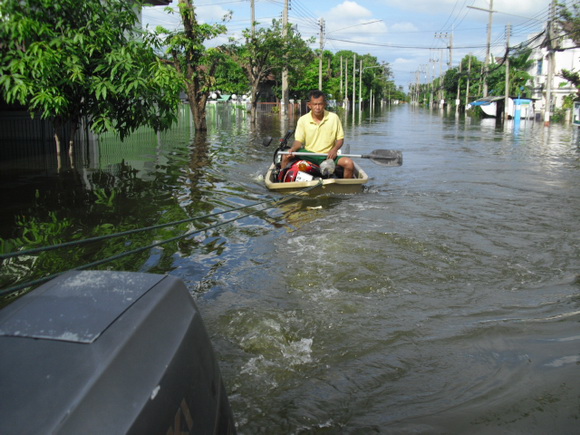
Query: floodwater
pixel 443 299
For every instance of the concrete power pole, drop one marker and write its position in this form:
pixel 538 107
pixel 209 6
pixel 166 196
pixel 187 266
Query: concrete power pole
pixel 285 93
pixel 353 83
pixel 341 93
pixel 467 85
pixel 346 83
pixel 360 86
pixel 451 51
pixel 457 99
pixel 508 30
pixel 253 6
pixel 488 50
pixel 321 53
pixel 550 45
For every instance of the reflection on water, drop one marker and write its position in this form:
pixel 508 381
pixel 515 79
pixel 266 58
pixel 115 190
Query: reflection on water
pixel 443 299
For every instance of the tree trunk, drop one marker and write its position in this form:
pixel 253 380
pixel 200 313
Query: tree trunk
pixel 254 107
pixel 57 126
pixel 199 117
pixel 74 128
pixel 197 106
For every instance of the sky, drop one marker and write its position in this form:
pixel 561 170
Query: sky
pixel 412 36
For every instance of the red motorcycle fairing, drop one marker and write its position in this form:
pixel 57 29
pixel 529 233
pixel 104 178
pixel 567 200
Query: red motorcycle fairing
pixel 289 174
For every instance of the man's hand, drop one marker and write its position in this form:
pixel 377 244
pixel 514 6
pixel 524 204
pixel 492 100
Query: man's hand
pixel 332 154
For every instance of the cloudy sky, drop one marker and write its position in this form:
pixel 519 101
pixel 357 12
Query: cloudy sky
pixel 411 35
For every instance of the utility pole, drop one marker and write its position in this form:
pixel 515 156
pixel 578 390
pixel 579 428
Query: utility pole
pixel 346 83
pixel 441 97
pixel 321 53
pixel 457 100
pixel 449 46
pixel 253 6
pixel 431 85
pixel 451 51
pixel 550 39
pixel 508 30
pixel 353 83
pixel 360 87
pixel 285 93
pixel 418 86
pixel 468 74
pixel 488 51
pixel 341 93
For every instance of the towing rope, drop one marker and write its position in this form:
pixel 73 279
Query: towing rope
pixel 273 203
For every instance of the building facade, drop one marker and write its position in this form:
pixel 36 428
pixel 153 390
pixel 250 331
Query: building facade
pixel 564 55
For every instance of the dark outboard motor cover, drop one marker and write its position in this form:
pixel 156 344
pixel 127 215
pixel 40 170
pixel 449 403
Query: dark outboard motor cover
pixel 109 353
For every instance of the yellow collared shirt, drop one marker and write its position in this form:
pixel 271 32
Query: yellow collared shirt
pixel 319 138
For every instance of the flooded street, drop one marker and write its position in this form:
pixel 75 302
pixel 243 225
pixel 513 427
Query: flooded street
pixel 445 298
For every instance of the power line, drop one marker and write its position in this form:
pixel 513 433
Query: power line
pixel 412 47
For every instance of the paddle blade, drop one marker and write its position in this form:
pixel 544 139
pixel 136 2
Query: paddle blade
pixel 267 141
pixel 386 157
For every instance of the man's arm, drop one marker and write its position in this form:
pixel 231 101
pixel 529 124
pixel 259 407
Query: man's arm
pixel 295 146
pixel 287 157
pixel 334 151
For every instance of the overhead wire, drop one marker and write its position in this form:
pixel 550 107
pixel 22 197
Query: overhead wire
pixel 298 10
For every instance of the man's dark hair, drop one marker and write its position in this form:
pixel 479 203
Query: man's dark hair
pixel 316 93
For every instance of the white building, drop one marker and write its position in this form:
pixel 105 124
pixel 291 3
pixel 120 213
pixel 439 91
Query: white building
pixel 565 57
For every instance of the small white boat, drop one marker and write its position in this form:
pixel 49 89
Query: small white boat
pixel 318 185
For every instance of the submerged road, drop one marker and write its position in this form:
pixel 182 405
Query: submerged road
pixel 443 299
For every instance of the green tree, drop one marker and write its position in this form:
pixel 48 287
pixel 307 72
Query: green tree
pixel 520 80
pixel 231 78
pixel 67 60
pixel 195 63
pixel 307 80
pixel 569 21
pixel 265 52
pixel 468 71
pixel 568 18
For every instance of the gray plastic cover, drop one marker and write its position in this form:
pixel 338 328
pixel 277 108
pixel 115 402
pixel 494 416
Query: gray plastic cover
pixel 76 307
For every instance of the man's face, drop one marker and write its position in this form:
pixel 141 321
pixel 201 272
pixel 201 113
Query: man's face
pixel 317 105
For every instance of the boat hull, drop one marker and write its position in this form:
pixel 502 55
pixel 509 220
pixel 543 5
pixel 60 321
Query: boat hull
pixel 320 186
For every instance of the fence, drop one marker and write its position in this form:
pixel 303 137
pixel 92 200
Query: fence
pixel 274 108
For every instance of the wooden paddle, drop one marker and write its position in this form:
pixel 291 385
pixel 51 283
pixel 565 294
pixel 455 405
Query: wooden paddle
pixel 380 157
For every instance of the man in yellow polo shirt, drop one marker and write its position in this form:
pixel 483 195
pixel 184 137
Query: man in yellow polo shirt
pixel 320 131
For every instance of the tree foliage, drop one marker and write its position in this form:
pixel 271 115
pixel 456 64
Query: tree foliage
pixel 67 60
pixel 470 70
pixel 569 20
pixel 376 79
pixel 195 63
pixel 231 78
pixel 263 53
